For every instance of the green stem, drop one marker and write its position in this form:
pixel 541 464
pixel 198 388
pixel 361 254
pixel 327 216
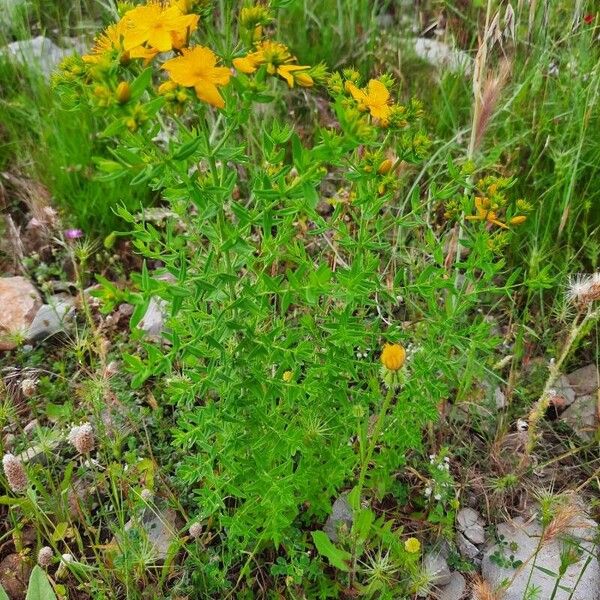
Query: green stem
pixel 373 439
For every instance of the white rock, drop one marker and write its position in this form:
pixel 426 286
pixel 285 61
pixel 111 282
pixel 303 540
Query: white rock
pixel 441 55
pixel 469 521
pixel 584 380
pixel 582 416
pixel 50 319
pixel 19 302
pixel 466 548
pixel 564 390
pixel 454 590
pixel 160 529
pixel 341 516
pixel 153 321
pixel 437 568
pixel 582 579
pixel 39 51
pixel 467 517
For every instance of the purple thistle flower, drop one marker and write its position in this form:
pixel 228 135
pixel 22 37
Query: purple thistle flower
pixel 73 234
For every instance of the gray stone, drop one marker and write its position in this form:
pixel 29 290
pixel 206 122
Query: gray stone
pixel 466 548
pixel 48 446
pixel 582 579
pixel 39 51
pixel 561 395
pixel 153 321
pixel 160 528
pixel 441 55
pixel 454 590
pixel 499 398
pixel 582 416
pixel 19 302
pixel 435 565
pixel 470 523
pixel 341 517
pixel 51 319
pixel 584 380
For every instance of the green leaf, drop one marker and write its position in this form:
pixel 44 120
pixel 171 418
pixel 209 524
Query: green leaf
pixel 39 586
pixel 325 547
pixel 3 595
pixel 59 531
pixel 141 82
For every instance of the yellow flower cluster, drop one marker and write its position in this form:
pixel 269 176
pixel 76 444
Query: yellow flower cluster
pixel 143 32
pixel 278 60
pixel 492 200
pixel 147 30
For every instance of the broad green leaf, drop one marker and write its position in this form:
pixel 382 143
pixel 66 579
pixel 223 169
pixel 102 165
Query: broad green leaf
pixel 39 586
pixel 325 547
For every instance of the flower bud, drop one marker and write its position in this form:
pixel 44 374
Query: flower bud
pixel 385 167
pixel 518 220
pixel 123 92
pixel 304 79
pixel 393 356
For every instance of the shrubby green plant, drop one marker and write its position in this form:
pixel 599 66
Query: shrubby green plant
pixel 285 262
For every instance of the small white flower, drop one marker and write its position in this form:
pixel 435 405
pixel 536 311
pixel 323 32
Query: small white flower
pixel 427 491
pixel 438 497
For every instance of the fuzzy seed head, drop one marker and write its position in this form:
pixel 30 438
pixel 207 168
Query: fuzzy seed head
pixel 195 530
pixel 15 473
pixel 45 556
pixel 28 387
pixel 82 438
pixel 584 289
pixel 146 495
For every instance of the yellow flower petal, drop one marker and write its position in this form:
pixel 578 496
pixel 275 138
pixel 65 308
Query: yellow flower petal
pixel 245 64
pixel 207 91
pixel 286 71
pixel 377 93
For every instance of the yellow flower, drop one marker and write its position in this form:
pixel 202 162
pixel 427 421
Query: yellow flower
pixel 393 356
pixel 375 98
pixel 412 545
pixel 287 376
pixel 485 213
pixel 273 54
pixel 251 16
pixel 196 68
pixel 287 72
pixel 278 61
pixel 108 42
pixel 162 29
